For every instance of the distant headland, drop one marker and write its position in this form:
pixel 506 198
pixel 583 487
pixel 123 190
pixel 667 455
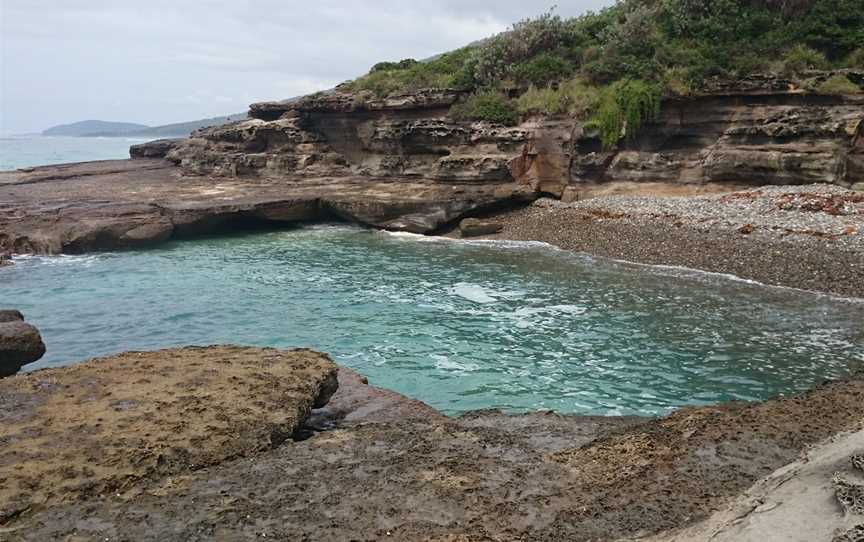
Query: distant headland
pixel 101 128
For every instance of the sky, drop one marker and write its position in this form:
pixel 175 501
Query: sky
pixel 164 61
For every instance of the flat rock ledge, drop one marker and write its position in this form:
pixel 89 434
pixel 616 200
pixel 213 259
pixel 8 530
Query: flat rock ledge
pixel 120 204
pixel 103 426
pixel 20 342
pixel 179 445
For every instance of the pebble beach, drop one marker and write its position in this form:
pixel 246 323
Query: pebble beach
pixel 808 237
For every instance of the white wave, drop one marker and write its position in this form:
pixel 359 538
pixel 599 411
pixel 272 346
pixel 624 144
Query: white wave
pixel 510 244
pixel 444 363
pixel 473 292
pixel 499 243
pixel 333 227
pixel 681 270
pixel 574 310
pixel 61 259
pixel 408 236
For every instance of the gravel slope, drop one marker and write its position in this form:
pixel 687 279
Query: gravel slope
pixel 809 237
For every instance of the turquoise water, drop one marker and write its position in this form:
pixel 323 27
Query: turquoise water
pixel 460 325
pixel 29 151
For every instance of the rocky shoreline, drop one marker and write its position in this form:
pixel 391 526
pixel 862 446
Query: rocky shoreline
pixel 241 443
pixel 809 237
pixel 200 447
pixel 120 204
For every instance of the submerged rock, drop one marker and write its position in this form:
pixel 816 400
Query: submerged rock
pixel 20 343
pixel 101 426
pixel 474 227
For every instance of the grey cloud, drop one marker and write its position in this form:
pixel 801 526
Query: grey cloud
pixel 164 61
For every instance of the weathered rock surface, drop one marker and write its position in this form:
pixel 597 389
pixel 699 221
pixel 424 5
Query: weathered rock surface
pixel 135 203
pixel 153 149
pixel 798 502
pixel 20 343
pixel 390 468
pixel 108 424
pixel 474 227
pixel 761 130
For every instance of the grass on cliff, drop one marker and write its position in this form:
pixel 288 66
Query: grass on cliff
pixel 553 65
pixel 838 85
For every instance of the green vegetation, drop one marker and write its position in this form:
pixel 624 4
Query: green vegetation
pixel 802 58
pixel 611 62
pixel 624 107
pixel 856 58
pixel 486 105
pixel 838 84
pixel 573 98
pixel 450 70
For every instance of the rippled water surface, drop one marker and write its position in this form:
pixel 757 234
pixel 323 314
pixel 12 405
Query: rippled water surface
pixel 459 325
pixel 29 151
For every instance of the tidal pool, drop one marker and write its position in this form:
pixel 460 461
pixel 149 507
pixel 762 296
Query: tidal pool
pixel 459 325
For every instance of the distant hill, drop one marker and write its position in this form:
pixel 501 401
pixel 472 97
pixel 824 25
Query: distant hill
pixel 183 129
pixel 94 128
pixel 100 128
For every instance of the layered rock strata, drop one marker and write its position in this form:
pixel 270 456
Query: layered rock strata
pixel 761 130
pixel 135 203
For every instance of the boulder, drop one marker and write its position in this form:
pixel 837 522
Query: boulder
pixel 10 315
pixel 20 343
pixel 99 427
pixel 153 149
pixel 474 227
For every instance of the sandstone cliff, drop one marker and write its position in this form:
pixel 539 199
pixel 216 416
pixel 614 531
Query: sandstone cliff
pixel 760 130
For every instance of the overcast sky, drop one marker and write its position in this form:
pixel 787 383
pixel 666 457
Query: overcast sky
pixel 163 61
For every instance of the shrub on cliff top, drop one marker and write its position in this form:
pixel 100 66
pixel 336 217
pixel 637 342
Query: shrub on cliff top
pixel 488 106
pixel 856 58
pixel 390 66
pixel 645 39
pixel 444 71
pixel 802 58
pixel 574 98
pixel 542 70
pixel 838 85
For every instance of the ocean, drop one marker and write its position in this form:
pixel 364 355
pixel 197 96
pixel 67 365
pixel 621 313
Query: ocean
pixel 461 325
pixel 30 151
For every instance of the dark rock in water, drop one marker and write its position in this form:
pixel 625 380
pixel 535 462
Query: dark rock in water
pixel 20 343
pixel 10 315
pixel 153 149
pixel 5 259
pixel 473 227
